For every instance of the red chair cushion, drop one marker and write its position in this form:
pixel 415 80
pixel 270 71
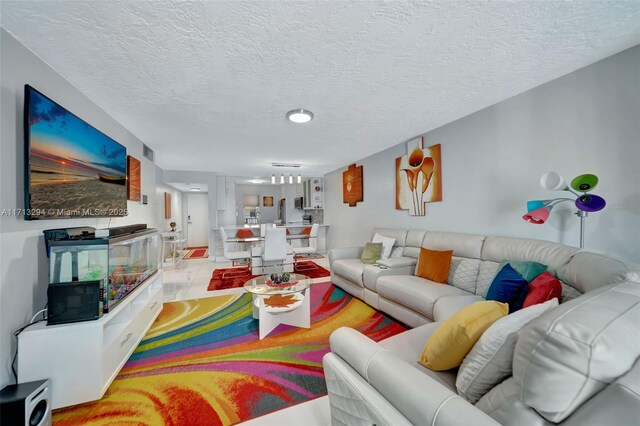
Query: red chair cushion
pixel 288 233
pixel 544 287
pixel 306 231
pixel 244 233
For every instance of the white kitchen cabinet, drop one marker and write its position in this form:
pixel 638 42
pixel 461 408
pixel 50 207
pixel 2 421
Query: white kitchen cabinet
pixel 314 194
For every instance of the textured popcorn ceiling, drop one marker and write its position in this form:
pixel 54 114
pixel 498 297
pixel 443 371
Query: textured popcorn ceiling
pixel 207 84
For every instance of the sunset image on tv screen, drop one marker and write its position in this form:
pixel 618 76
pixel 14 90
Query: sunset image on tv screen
pixel 74 169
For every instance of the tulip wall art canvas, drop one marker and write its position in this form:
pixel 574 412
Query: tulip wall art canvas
pixel 418 177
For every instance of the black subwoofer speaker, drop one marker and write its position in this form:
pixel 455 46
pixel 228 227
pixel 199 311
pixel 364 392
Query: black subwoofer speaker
pixel 27 404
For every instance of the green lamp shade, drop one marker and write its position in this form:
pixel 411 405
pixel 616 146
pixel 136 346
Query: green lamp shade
pixel 584 183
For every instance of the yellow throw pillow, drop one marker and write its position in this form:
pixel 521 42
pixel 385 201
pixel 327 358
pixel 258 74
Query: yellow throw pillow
pixel 452 341
pixel 434 265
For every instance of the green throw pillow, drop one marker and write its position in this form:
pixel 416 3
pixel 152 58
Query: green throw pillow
pixel 528 270
pixel 372 252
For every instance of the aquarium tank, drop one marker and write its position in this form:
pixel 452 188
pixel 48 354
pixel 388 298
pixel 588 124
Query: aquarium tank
pixel 121 263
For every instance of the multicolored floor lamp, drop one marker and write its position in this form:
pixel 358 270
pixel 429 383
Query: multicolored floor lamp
pixel 538 210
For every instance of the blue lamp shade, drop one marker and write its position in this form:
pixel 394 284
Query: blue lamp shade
pixel 590 203
pixel 534 205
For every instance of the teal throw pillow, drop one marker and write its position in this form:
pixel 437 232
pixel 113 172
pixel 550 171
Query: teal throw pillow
pixel 528 270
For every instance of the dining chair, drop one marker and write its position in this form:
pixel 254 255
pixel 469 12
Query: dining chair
pixel 275 246
pixel 312 248
pixel 234 257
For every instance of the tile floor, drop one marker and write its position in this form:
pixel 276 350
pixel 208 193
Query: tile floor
pixel 189 280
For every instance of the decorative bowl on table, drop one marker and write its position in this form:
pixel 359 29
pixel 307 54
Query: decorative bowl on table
pixel 280 280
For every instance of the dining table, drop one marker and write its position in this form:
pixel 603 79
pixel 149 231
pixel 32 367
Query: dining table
pixel 257 239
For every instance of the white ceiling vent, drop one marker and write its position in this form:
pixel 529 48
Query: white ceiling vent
pixel 147 152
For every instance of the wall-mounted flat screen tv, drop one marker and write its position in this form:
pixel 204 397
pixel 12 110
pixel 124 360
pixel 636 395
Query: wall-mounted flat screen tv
pixel 71 169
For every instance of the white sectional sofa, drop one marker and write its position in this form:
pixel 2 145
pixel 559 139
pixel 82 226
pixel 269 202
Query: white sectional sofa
pixel 577 364
pixel 414 301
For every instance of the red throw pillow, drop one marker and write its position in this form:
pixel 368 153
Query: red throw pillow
pixel 288 233
pixel 244 233
pixel 544 287
pixel 306 231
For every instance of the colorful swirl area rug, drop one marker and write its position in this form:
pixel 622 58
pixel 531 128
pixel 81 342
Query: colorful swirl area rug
pixel 201 363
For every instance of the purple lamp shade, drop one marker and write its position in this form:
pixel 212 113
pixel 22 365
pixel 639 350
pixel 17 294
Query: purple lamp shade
pixel 590 203
pixel 538 216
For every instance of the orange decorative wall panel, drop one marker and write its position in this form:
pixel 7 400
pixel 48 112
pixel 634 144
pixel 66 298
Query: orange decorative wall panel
pixel 133 179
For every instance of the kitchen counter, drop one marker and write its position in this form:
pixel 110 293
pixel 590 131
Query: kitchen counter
pixel 288 225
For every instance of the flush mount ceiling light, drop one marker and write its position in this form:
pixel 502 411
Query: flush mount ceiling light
pixel 300 116
pixel 195 189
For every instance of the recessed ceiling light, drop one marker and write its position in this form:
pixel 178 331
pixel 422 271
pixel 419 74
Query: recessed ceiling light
pixel 300 116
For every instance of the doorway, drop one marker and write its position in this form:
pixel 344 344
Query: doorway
pixel 197 220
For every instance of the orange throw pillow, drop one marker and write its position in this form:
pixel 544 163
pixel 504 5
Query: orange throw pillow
pixel 306 231
pixel 434 265
pixel 244 233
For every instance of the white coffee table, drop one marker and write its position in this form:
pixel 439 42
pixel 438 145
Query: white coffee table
pixel 297 314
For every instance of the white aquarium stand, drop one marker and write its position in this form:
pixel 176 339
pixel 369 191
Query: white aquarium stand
pixel 81 359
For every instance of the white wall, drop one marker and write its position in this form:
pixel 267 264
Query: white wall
pixel 585 122
pixel 176 208
pixel 23 262
pixel 227 216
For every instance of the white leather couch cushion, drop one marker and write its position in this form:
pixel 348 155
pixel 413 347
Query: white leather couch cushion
pixel 504 405
pixel 463 273
pixel 415 238
pixel 446 306
pixel 618 404
pixel 556 256
pixel 415 293
pixel 398 262
pixel 408 347
pixel 486 273
pixel 463 245
pixel 574 351
pixel 400 235
pixel 387 244
pixel 489 361
pixel 588 271
pixel 350 269
pixel 397 252
pixel 413 243
pixel 354 347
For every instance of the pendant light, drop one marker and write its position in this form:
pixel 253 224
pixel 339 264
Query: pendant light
pixel 281 179
pixel 299 178
pixel 273 179
pixel 290 179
